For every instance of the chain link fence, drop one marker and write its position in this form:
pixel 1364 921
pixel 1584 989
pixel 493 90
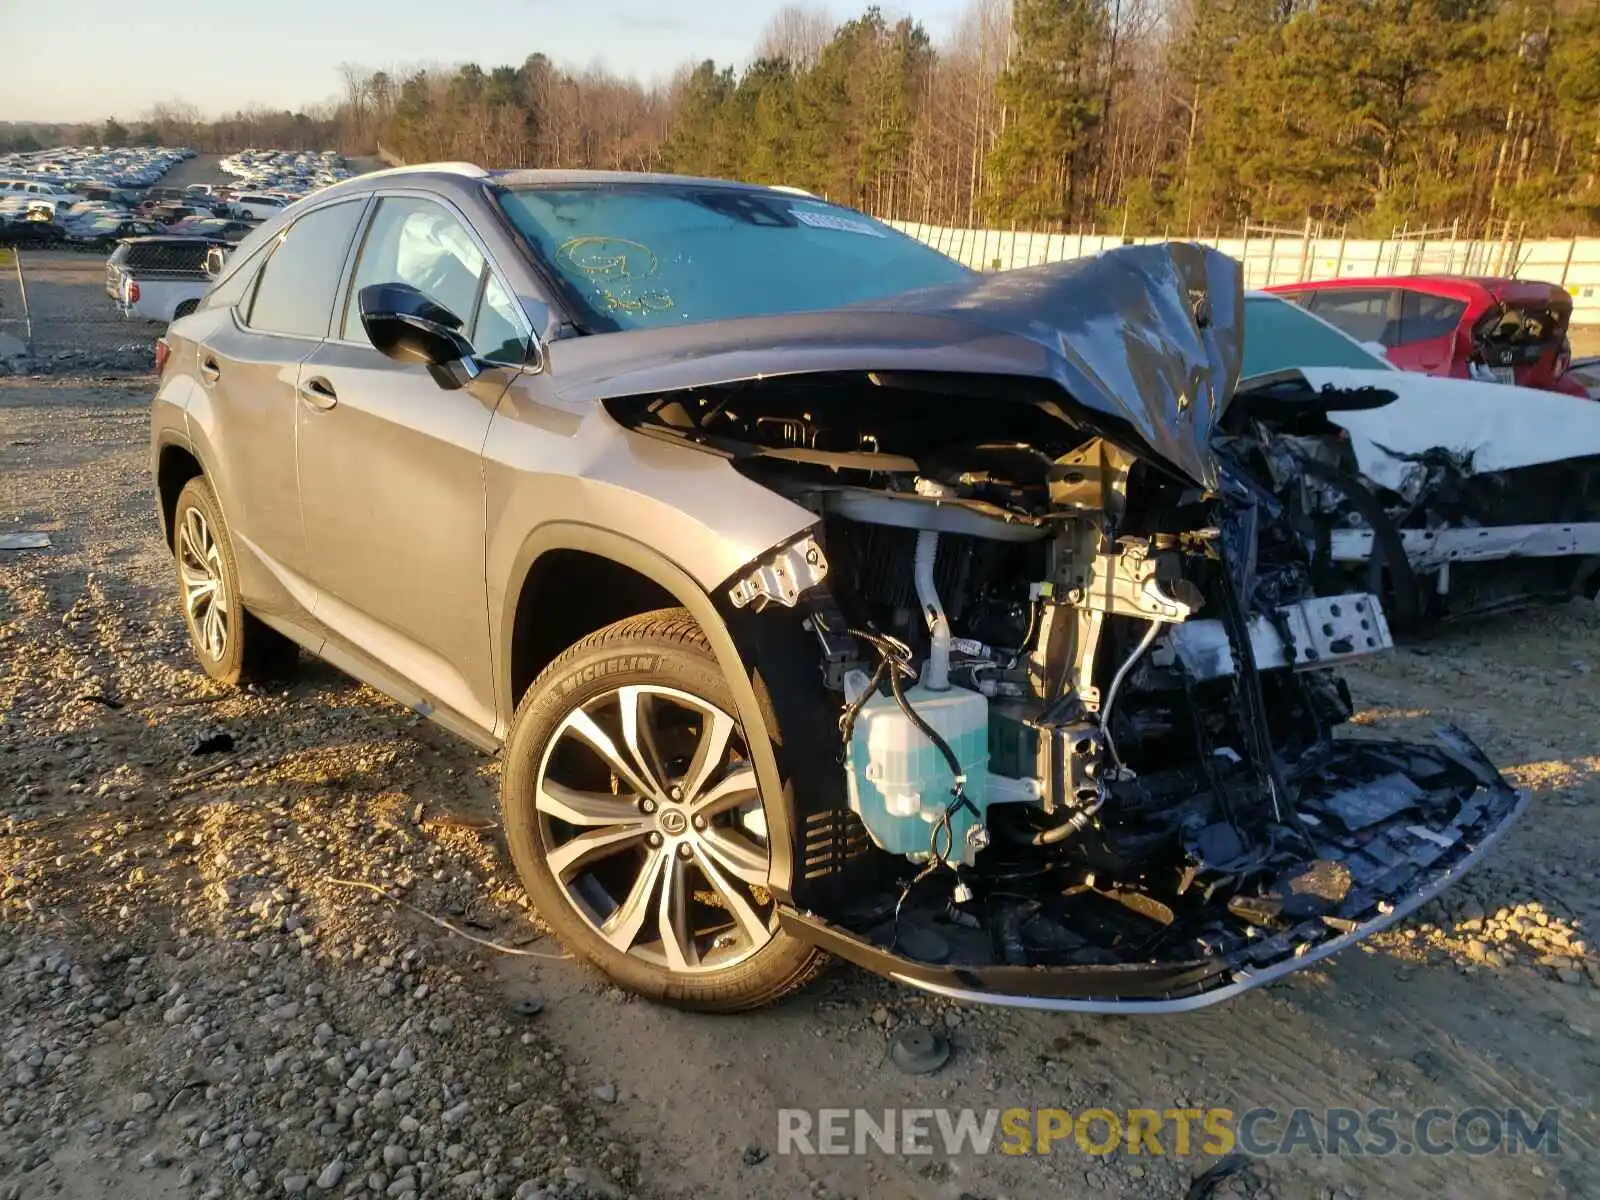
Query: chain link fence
pixel 16 318
pixel 54 304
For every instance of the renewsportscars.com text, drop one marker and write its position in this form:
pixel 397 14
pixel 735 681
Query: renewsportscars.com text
pixel 1178 1132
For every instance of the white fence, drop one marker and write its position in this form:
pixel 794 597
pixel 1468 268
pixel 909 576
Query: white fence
pixel 1573 263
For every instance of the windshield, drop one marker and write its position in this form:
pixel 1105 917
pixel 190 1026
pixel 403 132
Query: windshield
pixel 650 255
pixel 1278 336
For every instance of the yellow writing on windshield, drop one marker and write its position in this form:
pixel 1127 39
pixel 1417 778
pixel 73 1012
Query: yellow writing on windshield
pixel 618 270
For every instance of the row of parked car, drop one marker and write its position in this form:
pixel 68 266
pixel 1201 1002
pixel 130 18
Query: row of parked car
pixel 125 167
pixel 298 172
pixel 158 238
pixel 78 223
pixel 55 200
pixel 81 197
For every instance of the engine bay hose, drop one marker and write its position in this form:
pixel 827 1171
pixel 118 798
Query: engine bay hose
pixel 1116 686
pixel 1076 823
pixel 937 678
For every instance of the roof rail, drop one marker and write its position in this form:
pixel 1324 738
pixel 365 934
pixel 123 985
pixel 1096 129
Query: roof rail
pixel 448 168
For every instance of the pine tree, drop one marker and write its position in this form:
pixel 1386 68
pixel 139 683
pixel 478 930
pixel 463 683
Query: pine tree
pixel 695 147
pixel 1051 95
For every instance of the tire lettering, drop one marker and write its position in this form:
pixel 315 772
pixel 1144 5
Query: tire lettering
pixel 645 664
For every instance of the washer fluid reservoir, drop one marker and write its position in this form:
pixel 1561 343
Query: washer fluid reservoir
pixel 900 784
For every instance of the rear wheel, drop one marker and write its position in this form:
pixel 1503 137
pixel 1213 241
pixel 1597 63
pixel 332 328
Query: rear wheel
pixel 636 822
pixel 185 308
pixel 231 644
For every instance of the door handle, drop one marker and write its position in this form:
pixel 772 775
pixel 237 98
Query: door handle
pixel 209 371
pixel 318 393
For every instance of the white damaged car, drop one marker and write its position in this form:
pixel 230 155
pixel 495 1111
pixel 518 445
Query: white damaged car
pixel 1446 496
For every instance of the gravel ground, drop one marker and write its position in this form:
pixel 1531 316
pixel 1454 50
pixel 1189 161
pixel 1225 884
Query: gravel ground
pixel 195 999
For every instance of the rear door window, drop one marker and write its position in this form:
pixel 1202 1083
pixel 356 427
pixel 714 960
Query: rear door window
pixel 297 286
pixel 1362 313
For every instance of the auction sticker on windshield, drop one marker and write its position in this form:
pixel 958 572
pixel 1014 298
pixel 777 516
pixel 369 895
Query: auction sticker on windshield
pixel 822 220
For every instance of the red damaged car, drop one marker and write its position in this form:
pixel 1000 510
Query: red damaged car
pixel 1505 330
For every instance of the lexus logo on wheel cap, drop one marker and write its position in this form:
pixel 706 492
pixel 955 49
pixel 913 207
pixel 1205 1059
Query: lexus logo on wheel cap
pixel 674 822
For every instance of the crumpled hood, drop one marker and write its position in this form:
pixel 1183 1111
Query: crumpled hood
pixel 1149 334
pixel 1147 337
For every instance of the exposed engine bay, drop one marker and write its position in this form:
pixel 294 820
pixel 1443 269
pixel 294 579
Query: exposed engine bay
pixel 1086 704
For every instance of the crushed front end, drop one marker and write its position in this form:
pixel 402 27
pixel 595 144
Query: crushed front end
pixel 1140 797
pixel 1074 699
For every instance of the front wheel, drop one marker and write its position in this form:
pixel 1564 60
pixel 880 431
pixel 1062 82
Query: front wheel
pixel 637 825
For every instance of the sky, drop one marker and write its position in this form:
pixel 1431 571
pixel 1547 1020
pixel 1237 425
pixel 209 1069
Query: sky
pixel 86 60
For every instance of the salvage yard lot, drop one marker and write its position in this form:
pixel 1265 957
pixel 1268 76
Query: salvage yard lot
pixel 193 1000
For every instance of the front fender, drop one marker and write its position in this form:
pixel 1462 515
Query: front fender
pixel 754 709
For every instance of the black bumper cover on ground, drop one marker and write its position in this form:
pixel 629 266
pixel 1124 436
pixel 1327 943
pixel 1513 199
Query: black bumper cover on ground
pixel 1486 813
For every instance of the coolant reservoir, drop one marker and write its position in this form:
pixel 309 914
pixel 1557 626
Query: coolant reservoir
pixel 900 784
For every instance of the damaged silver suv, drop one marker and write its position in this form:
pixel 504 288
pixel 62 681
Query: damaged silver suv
pixel 823 595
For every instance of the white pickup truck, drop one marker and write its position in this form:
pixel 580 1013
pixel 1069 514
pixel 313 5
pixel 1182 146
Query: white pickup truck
pixel 158 278
pixel 257 206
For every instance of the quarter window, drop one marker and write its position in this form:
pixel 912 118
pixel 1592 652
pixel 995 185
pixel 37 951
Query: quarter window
pixel 297 286
pixel 499 335
pixel 1423 317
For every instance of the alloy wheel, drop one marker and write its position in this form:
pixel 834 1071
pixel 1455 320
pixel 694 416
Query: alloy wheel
pixel 652 824
pixel 205 591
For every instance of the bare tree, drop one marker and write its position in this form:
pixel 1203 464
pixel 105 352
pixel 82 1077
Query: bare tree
pixel 355 112
pixel 797 33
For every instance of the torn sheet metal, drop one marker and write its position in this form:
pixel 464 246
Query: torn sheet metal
pixel 782 577
pixel 1496 426
pixel 1426 548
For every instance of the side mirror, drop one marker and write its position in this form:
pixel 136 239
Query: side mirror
pixel 216 259
pixel 408 327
